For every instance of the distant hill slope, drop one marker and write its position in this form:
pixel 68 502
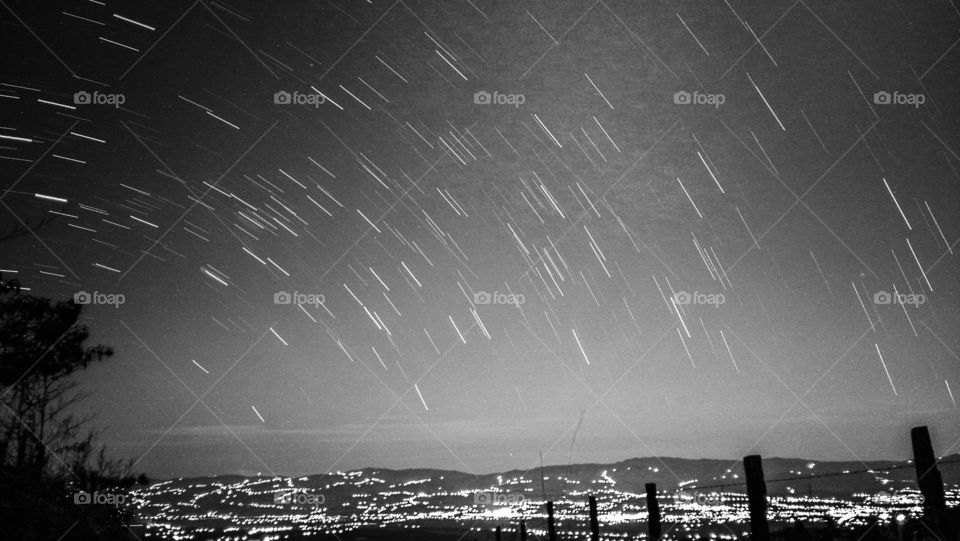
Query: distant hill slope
pixel 782 474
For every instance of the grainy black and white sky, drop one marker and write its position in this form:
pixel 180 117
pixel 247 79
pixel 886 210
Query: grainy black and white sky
pixel 783 166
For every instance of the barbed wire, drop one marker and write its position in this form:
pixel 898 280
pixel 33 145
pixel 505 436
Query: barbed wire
pixel 815 476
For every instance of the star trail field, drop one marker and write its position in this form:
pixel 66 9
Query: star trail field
pixel 476 235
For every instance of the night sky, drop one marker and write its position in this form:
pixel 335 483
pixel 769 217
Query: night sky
pixel 783 206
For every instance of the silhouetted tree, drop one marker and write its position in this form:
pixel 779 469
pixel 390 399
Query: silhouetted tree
pixel 48 452
pixel 18 228
pixel 41 346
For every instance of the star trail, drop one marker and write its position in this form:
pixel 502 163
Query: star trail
pixel 330 235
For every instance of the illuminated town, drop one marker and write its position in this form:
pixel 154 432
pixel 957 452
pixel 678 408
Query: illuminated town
pixel 274 508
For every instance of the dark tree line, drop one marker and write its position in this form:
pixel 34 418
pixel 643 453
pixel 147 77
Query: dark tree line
pixel 48 451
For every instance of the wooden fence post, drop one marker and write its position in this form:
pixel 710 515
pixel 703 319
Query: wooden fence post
pixel 757 498
pixel 653 512
pixel 594 523
pixel 928 475
pixel 929 479
pixel 551 525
